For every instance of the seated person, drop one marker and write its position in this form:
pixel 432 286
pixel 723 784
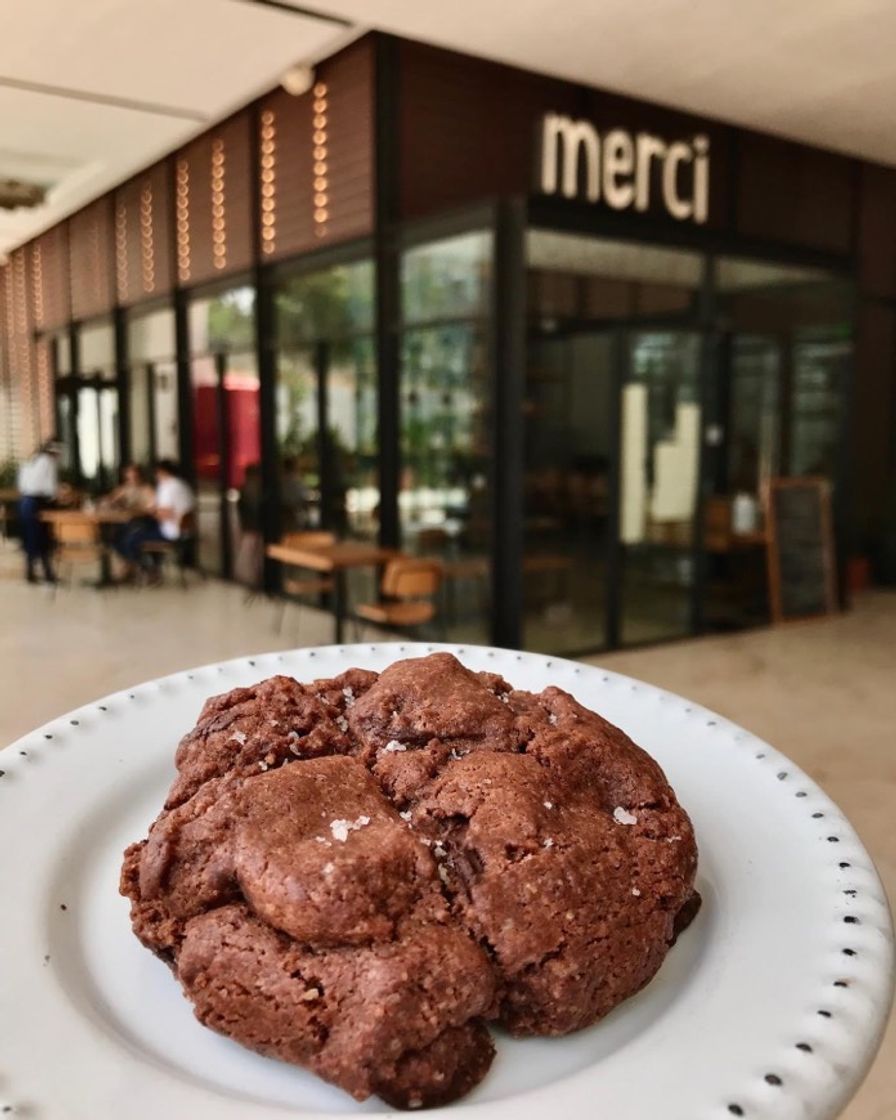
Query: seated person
pixel 173 501
pixel 133 494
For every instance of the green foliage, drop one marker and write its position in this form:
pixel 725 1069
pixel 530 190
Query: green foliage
pixel 8 474
pixel 330 305
pixel 231 322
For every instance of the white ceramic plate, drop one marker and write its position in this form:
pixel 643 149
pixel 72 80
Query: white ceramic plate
pixel 770 1007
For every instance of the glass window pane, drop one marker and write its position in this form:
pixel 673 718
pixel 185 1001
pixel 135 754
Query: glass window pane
pixel 141 451
pixel 224 321
pixel 151 336
pixel 62 350
pixel 803 316
pixel 585 299
pixel 447 279
pixel 754 435
pixel 167 425
pixel 89 437
pixel 821 362
pixel 108 435
pixel 568 447
pixel 444 497
pixel 660 454
pixel 324 331
pixel 207 461
pixel 297 441
pixel 223 324
pixel 97 349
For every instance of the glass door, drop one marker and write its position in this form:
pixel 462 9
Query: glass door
pixel 446 390
pixel 239 409
pixel 96 408
pixel 661 432
pixel 326 402
pixel 208 460
pixel 154 420
pixel 613 436
pixel 226 432
pixel 570 444
pixel 87 406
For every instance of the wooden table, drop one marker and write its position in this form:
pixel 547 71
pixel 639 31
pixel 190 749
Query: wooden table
pixel 335 559
pixel 89 516
pixel 99 517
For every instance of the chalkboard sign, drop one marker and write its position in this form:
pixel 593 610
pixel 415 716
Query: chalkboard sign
pixel 800 548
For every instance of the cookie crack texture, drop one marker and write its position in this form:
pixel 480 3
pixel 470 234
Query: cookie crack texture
pixel 356 875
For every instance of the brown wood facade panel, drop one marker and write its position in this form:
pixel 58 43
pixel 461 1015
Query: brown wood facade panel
pixel 91 248
pixel 467 127
pixel 50 279
pixel 794 195
pixel 873 418
pixel 143 236
pixel 19 346
pixel 213 202
pixel 44 388
pixel 469 130
pixel 877 231
pixel 315 158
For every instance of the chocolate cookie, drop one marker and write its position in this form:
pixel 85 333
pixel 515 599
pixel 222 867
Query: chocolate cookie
pixel 355 875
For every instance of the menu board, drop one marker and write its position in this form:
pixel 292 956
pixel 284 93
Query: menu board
pixel 800 548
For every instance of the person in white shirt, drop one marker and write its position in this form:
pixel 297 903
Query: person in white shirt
pixel 38 485
pixel 165 522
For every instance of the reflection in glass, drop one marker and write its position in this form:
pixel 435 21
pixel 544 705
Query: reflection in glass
pixel 62 352
pixel 226 433
pixel 153 386
pixel 804 316
pixel 754 428
pixel 96 351
pixel 140 420
pixel 444 498
pixel 612 374
pixel 789 346
pixel 820 367
pixel 165 411
pixel 97 424
pixel 660 454
pixel 66 433
pixel 297 440
pixel 89 437
pixel 326 369
pixel 568 448
pixel 207 464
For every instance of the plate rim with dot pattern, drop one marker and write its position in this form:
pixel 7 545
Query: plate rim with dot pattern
pixel 769 993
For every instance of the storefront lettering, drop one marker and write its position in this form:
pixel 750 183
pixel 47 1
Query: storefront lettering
pixel 618 167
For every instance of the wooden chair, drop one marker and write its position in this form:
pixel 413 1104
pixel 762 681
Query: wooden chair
pixel 178 551
pixel 432 541
pixel 77 542
pixel 301 590
pixel 408 595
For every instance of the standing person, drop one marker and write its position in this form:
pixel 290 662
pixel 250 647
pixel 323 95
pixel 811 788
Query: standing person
pixel 38 483
pixel 173 501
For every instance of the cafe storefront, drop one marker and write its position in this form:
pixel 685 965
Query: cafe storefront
pixel 557 338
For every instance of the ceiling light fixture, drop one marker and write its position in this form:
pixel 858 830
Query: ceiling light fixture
pixel 298 80
pixel 15 194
